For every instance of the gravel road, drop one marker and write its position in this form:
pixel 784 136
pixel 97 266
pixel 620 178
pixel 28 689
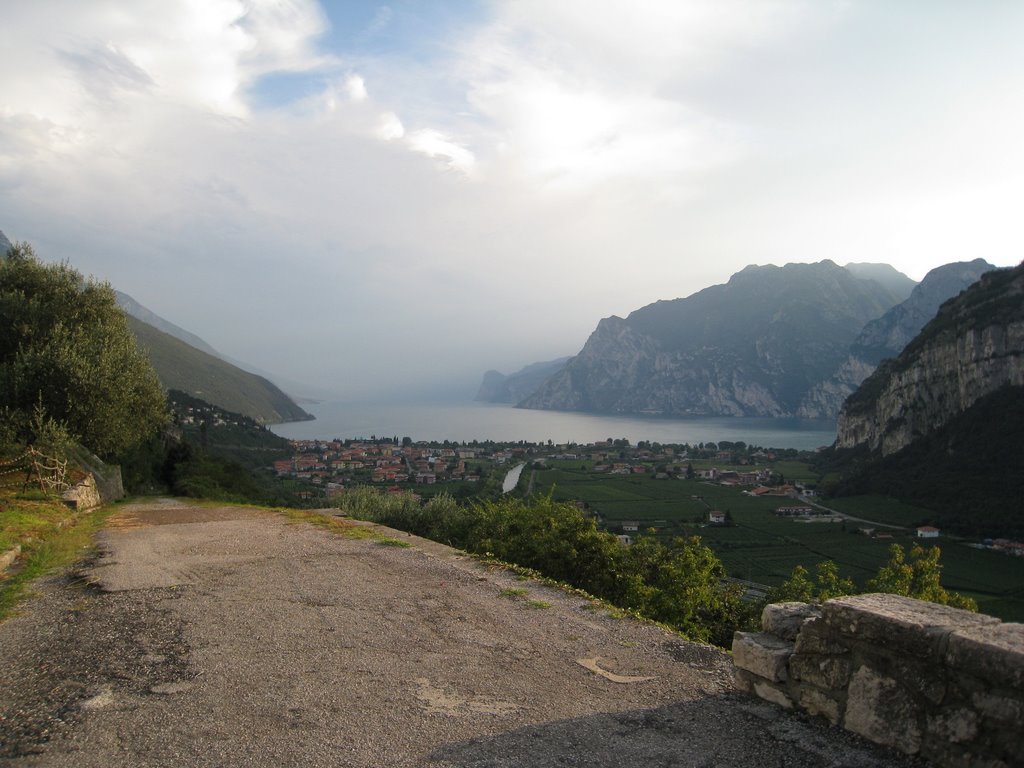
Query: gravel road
pixel 237 637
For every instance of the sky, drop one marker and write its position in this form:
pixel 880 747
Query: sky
pixel 376 201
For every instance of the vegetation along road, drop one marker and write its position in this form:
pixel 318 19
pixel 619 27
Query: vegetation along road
pixel 230 636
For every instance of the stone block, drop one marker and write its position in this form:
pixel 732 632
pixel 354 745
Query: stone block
pixel 817 637
pixel 901 625
pixel 785 619
pixel 773 693
pixel 823 671
pixel 818 702
pixel 880 710
pixel 1001 709
pixel 993 653
pixel 925 679
pixel 956 725
pixel 763 654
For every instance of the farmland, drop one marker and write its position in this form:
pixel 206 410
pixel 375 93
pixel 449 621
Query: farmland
pixel 761 547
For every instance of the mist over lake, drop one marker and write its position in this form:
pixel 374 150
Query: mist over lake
pixel 465 422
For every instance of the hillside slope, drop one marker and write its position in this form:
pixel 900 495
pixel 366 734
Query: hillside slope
pixel 754 346
pixel 197 373
pixel 149 317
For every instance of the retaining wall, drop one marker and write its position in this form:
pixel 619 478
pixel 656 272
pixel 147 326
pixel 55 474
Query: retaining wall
pixel 923 678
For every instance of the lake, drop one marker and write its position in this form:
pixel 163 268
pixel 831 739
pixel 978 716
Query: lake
pixel 465 422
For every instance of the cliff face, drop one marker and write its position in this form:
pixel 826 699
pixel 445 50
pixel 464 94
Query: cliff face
pixel 887 335
pixel 974 346
pixel 621 370
pixel 755 346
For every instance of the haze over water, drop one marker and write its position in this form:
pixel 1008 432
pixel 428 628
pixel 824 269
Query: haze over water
pixel 465 422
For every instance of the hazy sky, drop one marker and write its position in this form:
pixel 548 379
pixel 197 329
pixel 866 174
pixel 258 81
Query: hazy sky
pixel 382 199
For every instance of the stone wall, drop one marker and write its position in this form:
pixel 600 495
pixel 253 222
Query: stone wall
pixel 83 495
pixel 923 678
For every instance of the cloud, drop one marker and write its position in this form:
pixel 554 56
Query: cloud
pixel 355 87
pixel 390 127
pixel 479 195
pixel 433 143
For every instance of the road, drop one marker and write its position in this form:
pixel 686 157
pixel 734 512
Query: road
pixel 205 636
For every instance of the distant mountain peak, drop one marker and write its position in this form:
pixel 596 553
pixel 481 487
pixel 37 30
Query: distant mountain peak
pixel 885 275
pixel 752 346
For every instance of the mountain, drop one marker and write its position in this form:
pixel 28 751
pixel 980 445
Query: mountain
pixel 941 426
pixel 205 376
pixel 973 347
pixel 754 346
pixel 5 244
pixel 885 275
pixel 498 388
pixel 139 312
pixel 889 334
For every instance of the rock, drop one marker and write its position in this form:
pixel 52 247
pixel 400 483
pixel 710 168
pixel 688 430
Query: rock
pixel 879 710
pixel 762 654
pixel 785 619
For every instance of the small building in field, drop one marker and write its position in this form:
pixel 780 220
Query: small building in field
pixel 716 518
pixel 927 532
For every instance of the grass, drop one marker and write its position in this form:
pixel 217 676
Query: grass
pixel 58 549
pixel 389 542
pixel 513 592
pixel 339 526
pixel 29 515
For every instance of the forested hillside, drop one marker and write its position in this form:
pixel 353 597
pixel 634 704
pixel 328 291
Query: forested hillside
pixel 202 375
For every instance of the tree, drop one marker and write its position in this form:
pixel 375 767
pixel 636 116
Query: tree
pixel 67 350
pixel 919 578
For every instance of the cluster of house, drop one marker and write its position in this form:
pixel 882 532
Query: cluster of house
pixel 331 463
pixel 190 415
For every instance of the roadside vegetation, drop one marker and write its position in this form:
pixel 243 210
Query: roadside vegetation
pixel 50 536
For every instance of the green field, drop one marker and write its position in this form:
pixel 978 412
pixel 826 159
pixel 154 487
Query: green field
pixel 763 548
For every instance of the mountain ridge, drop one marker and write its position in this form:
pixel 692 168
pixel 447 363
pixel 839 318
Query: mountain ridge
pixel 887 335
pixel 498 387
pixel 753 346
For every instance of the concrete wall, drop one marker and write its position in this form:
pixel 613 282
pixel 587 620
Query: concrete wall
pixel 923 678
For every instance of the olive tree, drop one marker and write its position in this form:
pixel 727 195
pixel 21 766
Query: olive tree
pixel 67 352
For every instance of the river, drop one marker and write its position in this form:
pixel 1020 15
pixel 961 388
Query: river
pixel 465 422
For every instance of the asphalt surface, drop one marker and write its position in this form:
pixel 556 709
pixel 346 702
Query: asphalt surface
pixel 234 637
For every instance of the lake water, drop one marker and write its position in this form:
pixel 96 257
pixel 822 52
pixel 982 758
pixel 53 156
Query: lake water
pixel 465 422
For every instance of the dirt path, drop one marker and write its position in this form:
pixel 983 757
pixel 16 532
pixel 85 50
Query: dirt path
pixel 233 637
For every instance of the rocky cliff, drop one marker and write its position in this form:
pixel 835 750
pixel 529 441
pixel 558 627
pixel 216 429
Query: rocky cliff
pixel 973 347
pixel 754 346
pixel 887 335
